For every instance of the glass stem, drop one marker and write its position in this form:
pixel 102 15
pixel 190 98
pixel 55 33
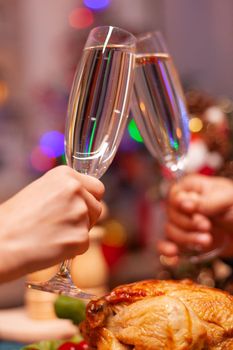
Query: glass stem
pixel 178 174
pixel 65 268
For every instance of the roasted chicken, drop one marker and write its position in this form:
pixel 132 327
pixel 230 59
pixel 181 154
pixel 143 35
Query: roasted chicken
pixel 159 315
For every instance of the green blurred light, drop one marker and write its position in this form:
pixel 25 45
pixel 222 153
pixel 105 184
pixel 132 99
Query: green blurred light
pixel 175 145
pixel 63 159
pixel 134 132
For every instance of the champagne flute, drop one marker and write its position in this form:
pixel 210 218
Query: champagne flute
pixel 97 115
pixel 158 104
pixel 159 109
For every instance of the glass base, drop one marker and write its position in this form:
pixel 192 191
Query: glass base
pixel 205 257
pixel 199 258
pixel 61 284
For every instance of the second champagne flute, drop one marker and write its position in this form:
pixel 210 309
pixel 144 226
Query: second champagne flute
pixel 158 104
pixel 97 115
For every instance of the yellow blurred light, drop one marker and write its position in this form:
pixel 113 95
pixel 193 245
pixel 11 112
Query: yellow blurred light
pixel 178 133
pixel 4 92
pixel 115 234
pixel 195 124
pixel 142 107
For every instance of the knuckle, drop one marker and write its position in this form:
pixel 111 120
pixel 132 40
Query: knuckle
pixel 77 211
pixel 66 172
pixel 72 186
pixel 65 169
pixel 82 210
pixel 57 176
pixel 62 170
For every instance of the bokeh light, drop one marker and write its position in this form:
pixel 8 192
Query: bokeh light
pixel 81 18
pixel 63 159
pixel 96 4
pixel 142 107
pixel 40 161
pixel 52 143
pixel 178 133
pixel 115 234
pixel 4 92
pixel 134 132
pixel 174 144
pixel 195 124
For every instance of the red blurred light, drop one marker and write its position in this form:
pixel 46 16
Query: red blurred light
pixel 40 161
pixel 81 18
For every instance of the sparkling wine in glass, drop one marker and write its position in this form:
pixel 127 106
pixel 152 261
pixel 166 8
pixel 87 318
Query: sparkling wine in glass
pixel 97 115
pixel 158 107
pixel 158 104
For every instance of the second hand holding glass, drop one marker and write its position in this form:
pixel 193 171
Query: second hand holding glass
pixel 159 109
pixel 97 115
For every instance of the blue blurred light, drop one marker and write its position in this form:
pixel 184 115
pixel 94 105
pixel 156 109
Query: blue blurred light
pixel 96 4
pixel 52 143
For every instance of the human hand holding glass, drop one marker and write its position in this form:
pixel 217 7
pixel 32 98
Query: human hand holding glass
pixel 200 212
pixel 159 109
pixel 97 115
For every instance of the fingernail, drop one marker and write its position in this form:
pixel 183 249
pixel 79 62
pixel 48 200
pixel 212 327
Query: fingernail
pixel 187 204
pixel 168 261
pixel 202 223
pixel 203 238
pixel 184 200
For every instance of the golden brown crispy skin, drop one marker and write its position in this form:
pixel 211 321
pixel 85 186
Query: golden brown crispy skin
pixel 163 315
